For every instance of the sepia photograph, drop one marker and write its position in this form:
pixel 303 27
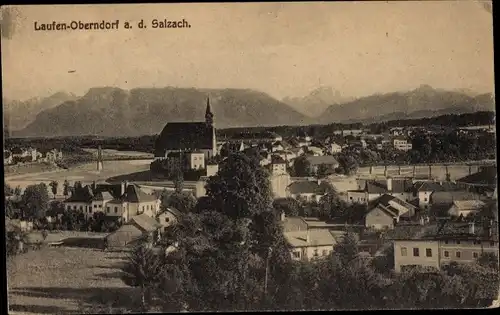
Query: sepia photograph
pixel 233 157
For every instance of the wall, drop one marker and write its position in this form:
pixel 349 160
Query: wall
pixel 308 252
pixel 379 220
pixel 279 183
pixel 467 249
pixel 410 259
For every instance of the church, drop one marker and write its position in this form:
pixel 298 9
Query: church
pixel 188 137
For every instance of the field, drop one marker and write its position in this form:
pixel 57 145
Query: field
pixel 86 173
pixel 66 281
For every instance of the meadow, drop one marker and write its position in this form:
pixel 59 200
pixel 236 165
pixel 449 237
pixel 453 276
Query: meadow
pixel 66 281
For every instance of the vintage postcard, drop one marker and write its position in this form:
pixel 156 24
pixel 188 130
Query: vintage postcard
pixel 249 157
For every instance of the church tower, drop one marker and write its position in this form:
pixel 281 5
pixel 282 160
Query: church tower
pixel 209 117
pixel 209 120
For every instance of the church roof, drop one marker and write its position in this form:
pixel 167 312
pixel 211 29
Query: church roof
pixel 184 136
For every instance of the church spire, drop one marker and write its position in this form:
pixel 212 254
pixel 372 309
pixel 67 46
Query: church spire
pixel 209 116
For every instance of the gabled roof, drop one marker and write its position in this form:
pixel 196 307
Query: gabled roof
pixel 448 197
pixel 468 204
pixel 276 159
pixel 307 187
pixel 184 136
pixel 380 186
pixel 487 176
pixel 325 159
pixel 103 196
pixel 134 194
pixel 145 222
pixel 81 195
pixel 174 211
pixel 317 237
pixel 436 186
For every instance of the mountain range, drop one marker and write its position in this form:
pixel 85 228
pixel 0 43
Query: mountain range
pixel 316 102
pixel 109 111
pixel 424 101
pixel 18 114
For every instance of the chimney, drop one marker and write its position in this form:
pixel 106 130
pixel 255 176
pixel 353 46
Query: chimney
pixel 389 183
pixel 471 227
pixel 122 188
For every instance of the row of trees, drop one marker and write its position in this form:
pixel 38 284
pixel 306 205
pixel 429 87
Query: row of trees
pixel 230 254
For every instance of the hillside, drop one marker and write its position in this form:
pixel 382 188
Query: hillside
pixel 421 102
pixel 18 114
pixel 316 102
pixel 107 111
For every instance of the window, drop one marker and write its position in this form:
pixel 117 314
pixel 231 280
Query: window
pixel 74 207
pixel 167 219
pixel 425 199
pixel 100 206
pixel 446 242
pixel 477 242
pixel 90 210
pixel 428 252
pixel 116 209
pixel 416 252
pixel 107 209
pixel 475 255
pixel 404 251
pixel 316 252
pixel 142 208
pixel 458 254
pixel 446 253
pixel 458 242
pixel 296 254
pixel 492 243
pixel 95 206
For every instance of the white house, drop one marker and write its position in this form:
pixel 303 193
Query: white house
pixel 401 144
pixel 387 212
pixel 334 148
pixel 123 204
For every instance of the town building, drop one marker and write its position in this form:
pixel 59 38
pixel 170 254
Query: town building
pixel 188 137
pixel 316 161
pixel 278 165
pixel 307 190
pixel 122 204
pixel 169 217
pixel 387 212
pixel 373 189
pixel 462 242
pixel 401 144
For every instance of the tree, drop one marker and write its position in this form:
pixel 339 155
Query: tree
pixel 347 249
pixel 302 166
pixel 143 269
pixel 289 206
pixel 66 188
pixel 488 260
pixel 331 206
pixel 17 191
pixel 178 180
pixel 182 201
pixel 241 188
pixel 347 164
pixel 53 185
pixel 35 201
pixel 324 170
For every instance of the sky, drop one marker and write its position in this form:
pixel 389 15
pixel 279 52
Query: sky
pixel 283 49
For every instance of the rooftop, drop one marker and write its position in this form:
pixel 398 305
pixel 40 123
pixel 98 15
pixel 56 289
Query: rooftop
pixel 313 237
